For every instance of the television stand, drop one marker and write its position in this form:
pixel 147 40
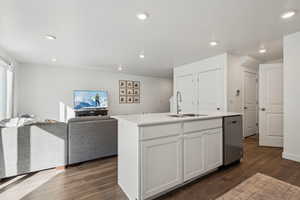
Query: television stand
pixel 91 112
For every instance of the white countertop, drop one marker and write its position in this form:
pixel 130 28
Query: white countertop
pixel 163 118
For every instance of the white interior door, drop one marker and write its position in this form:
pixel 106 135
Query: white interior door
pixel 250 104
pixel 271 105
pixel 185 85
pixel 210 91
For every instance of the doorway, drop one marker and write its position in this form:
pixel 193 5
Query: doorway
pixel 271 105
pixel 250 102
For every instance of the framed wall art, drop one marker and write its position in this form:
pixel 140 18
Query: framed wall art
pixel 129 92
pixel 122 84
pixel 123 99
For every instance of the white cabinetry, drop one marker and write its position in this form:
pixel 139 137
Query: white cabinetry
pixel 213 149
pixel 172 154
pixel 202 152
pixel 155 158
pixel 203 85
pixel 161 166
pixel 193 155
pixel 218 82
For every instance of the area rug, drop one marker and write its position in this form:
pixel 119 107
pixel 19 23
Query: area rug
pixel 262 187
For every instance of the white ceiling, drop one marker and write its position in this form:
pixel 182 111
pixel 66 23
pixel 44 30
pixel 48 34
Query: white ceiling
pixel 98 33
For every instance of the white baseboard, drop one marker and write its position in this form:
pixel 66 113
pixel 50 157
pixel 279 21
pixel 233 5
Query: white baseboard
pixel 290 156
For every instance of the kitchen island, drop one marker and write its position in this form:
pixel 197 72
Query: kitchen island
pixel 162 151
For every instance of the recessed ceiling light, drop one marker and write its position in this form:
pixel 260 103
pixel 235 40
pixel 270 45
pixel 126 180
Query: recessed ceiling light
pixel 142 16
pixel 53 60
pixel 142 55
pixel 120 68
pixel 50 37
pixel 288 14
pixel 214 43
pixel 262 51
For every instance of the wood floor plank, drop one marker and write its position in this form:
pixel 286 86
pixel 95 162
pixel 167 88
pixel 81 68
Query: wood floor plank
pixel 97 180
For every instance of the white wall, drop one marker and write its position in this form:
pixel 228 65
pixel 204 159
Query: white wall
pixel 234 79
pixel 2 93
pixel 291 97
pixel 44 89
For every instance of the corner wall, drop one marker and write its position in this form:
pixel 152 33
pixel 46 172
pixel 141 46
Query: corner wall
pixel 11 108
pixel 47 91
pixel 291 97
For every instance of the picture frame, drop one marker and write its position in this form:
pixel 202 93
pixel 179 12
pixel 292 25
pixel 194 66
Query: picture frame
pixel 129 92
pixel 123 91
pixel 129 84
pixel 122 100
pixel 122 84
pixel 136 84
pixel 129 99
pixel 136 92
pixel 136 99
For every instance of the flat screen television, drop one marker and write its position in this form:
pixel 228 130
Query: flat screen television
pixel 90 99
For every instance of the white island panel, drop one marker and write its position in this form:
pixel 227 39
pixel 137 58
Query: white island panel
pixel 128 158
pixel 157 152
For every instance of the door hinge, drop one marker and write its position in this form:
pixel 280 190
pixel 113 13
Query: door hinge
pixel 257 124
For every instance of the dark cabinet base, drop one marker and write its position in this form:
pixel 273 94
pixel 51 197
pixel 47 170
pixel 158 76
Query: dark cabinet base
pixel 94 112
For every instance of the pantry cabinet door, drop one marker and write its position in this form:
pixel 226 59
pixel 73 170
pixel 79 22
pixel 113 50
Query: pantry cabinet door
pixel 186 86
pixel 210 90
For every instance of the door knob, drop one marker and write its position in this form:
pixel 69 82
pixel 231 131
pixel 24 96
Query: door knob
pixel 263 109
pixel 245 107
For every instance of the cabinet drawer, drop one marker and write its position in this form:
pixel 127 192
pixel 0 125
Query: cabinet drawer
pixel 150 132
pixel 202 125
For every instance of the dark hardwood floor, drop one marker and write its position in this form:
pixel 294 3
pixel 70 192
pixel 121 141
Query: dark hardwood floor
pixel 97 180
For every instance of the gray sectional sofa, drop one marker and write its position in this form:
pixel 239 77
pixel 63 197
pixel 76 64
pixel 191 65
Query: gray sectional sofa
pixel 43 146
pixel 91 138
pixel 32 148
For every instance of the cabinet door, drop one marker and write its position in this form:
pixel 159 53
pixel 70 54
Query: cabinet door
pixel 185 85
pixel 193 155
pixel 213 149
pixel 161 166
pixel 210 90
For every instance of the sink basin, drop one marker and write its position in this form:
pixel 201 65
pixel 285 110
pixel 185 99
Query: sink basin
pixel 186 115
pixel 175 115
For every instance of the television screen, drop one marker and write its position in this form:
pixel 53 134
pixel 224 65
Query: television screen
pixel 90 99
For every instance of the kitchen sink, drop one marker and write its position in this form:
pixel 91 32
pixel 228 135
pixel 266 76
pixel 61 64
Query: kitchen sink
pixel 187 115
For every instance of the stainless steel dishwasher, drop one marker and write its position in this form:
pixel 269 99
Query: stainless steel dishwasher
pixel 232 139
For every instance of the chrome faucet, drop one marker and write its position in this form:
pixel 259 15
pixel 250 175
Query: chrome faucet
pixel 178 99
